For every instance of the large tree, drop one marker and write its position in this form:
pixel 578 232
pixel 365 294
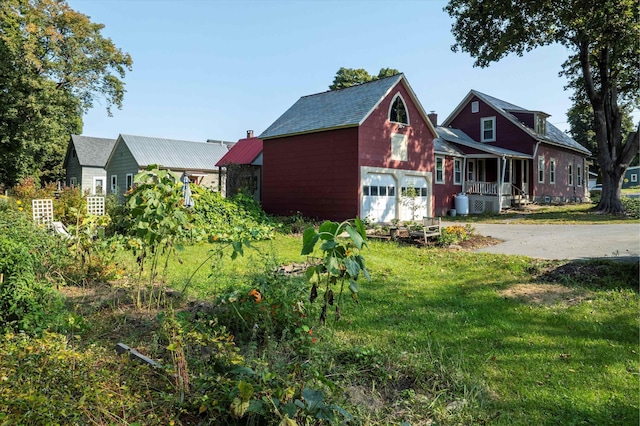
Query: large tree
pixel 604 63
pixel 54 63
pixel 347 77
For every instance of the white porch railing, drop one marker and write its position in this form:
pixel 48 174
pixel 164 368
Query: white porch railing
pixel 483 188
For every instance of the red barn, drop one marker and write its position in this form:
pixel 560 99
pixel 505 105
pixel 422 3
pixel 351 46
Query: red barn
pixel 364 151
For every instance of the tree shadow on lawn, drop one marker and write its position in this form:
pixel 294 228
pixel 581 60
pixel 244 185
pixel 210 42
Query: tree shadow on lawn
pixel 554 360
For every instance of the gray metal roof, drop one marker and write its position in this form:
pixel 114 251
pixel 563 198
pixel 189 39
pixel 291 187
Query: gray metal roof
pixel 459 137
pixel 333 109
pixel 554 135
pixel 92 151
pixel 175 154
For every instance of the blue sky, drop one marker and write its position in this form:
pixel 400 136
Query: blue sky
pixel 212 69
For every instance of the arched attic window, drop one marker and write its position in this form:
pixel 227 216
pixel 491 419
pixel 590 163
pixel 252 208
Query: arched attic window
pixel 398 111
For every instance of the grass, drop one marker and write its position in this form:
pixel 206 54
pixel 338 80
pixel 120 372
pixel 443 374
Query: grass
pixel 569 359
pixel 442 337
pixel 548 214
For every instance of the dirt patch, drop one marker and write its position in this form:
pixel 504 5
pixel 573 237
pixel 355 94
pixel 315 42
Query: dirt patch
pixel 545 294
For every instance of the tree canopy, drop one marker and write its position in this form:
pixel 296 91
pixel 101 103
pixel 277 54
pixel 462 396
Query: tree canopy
pixel 54 63
pixel 347 77
pixel 604 63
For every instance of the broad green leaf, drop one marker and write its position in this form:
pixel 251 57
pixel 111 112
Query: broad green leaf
pixel 333 266
pixel 357 239
pixel 353 287
pixel 361 229
pixel 246 390
pixel 353 269
pixel 329 245
pixel 309 240
pixel 327 230
pixel 313 398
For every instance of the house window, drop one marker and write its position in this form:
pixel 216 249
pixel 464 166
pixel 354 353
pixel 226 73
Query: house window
pixel 579 177
pixel 114 184
pixel 73 181
pixel 488 130
pixel 439 169
pixel 457 171
pixel 634 178
pixel 541 125
pixel 471 171
pixel 570 174
pixel 540 169
pixel 398 147
pixel 98 185
pixel 129 180
pixel 552 170
pixel 398 111
pixel 475 107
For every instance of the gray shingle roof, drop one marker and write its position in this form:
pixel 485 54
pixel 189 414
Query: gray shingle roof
pixel 92 151
pixel 333 109
pixel 554 135
pixel 459 137
pixel 175 154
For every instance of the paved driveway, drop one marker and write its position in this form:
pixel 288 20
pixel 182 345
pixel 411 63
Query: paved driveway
pixel 564 241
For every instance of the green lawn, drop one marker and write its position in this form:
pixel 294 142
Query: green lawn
pixel 465 327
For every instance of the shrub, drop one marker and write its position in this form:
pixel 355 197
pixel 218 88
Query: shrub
pixel 31 262
pixel 455 234
pixel 631 206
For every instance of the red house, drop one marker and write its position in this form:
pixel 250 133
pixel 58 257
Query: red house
pixel 364 151
pixel 512 154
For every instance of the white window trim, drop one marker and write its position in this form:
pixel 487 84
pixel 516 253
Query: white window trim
pixel 553 169
pixel 579 174
pixel 114 184
pixel 104 182
pixel 399 95
pixel 482 121
pixel 128 177
pixel 634 177
pixel 436 170
pixel 540 169
pixel 570 177
pixel 73 181
pixel 475 107
pixel 457 181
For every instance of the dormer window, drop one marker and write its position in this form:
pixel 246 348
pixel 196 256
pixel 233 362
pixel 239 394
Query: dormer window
pixel 541 124
pixel 398 111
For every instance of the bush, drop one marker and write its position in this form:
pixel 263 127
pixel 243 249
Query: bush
pixel 228 219
pixel 632 206
pixel 455 234
pixel 31 262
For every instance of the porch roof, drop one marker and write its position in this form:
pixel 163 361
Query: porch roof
pixel 458 137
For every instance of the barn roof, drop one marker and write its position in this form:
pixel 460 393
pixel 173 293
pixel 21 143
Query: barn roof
pixel 243 152
pixel 334 109
pixel 175 154
pixel 90 151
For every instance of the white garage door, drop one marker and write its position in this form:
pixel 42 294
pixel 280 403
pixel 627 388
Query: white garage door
pixel 413 198
pixel 378 197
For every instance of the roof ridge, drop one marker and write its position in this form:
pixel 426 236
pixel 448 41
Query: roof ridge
pixel 352 87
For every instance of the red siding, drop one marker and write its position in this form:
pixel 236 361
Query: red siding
pixel 316 174
pixel 444 193
pixel 508 135
pixel 561 189
pixel 375 137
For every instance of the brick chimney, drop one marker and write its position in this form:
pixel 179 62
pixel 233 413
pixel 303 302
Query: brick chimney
pixel 433 117
pixel 249 134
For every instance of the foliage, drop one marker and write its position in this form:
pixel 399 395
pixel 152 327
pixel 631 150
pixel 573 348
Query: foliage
pixel 631 206
pixel 47 380
pixel 54 62
pixel 603 66
pixel 347 77
pixel 454 234
pixel 31 262
pixel 341 262
pixel 67 201
pixel 158 217
pixel 228 219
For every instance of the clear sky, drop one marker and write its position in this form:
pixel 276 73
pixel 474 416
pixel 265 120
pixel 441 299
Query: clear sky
pixel 213 69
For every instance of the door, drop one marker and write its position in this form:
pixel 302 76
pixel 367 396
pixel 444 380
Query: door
pixel 379 197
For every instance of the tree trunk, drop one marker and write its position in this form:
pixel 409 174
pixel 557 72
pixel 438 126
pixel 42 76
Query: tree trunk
pixel 611 189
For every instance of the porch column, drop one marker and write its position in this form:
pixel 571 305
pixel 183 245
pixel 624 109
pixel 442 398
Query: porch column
pixel 504 168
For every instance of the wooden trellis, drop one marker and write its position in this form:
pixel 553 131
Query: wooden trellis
pixel 42 212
